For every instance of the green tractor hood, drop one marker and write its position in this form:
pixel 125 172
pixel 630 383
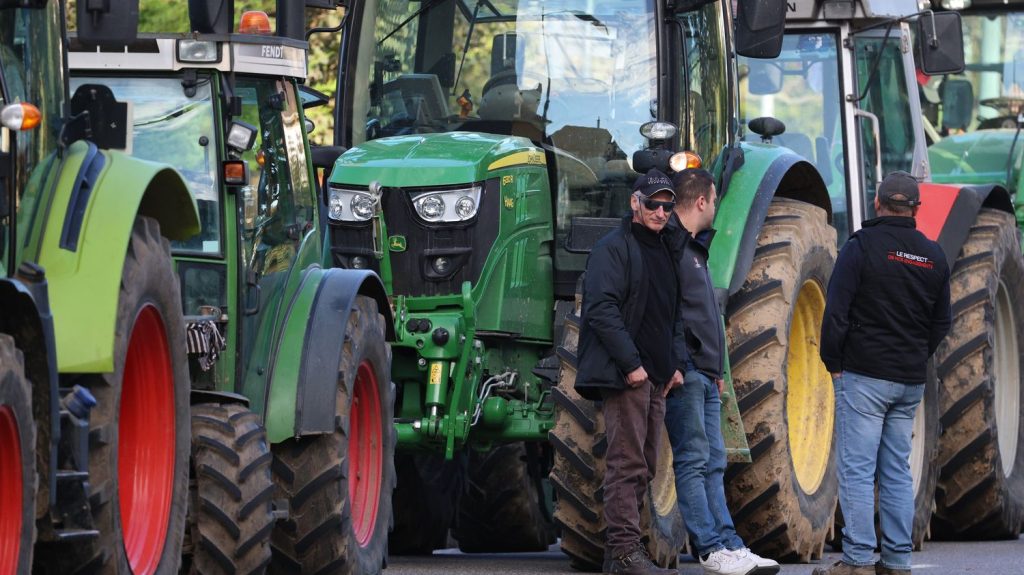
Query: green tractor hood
pixel 976 158
pixel 428 159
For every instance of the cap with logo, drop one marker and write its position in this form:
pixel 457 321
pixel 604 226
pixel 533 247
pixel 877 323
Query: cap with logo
pixel 652 182
pixel 900 189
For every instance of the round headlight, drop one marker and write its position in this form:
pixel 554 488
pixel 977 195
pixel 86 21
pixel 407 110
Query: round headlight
pixel 362 206
pixel 334 207
pixel 431 208
pixel 359 263
pixel 441 265
pixel 465 207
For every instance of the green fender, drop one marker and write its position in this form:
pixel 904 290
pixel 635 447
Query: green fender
pixel 301 397
pixel 89 223
pixel 766 171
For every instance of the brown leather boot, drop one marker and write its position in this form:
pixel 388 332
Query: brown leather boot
pixel 636 562
pixel 840 568
pixel 880 570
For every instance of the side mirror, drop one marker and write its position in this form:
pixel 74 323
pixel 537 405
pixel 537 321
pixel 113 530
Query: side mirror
pixel 759 28
pixel 764 78
pixel 945 56
pixel 208 17
pixel 113 22
pixel 957 103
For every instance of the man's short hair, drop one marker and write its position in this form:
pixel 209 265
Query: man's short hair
pixel 692 183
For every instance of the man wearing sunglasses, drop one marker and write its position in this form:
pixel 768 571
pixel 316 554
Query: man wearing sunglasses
pixel 629 351
pixel 693 412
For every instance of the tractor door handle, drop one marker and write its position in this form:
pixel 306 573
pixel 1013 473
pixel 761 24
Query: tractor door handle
pixel 252 285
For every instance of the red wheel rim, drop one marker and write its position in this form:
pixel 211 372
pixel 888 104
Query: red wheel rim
pixel 145 466
pixel 10 491
pixel 365 453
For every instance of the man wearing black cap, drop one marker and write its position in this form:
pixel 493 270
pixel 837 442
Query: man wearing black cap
pixel 887 309
pixel 629 351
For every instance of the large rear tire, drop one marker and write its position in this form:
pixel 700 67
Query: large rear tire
pixel 578 473
pixel 425 502
pixel 981 485
pixel 140 428
pixel 502 509
pixel 230 518
pixel 17 462
pixel 784 500
pixel 339 484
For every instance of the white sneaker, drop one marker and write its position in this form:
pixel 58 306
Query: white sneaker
pixel 765 566
pixel 724 562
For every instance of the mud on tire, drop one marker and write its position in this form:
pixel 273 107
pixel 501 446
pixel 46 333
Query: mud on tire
pixel 230 516
pixel 140 429
pixel 580 445
pixel 329 531
pixel 17 462
pixel 783 501
pixel 981 485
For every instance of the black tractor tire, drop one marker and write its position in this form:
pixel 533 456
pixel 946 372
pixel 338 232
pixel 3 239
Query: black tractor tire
pixel 981 486
pixel 502 508
pixel 425 502
pixel 17 462
pixel 580 445
pixel 327 532
pixel 784 392
pixel 230 512
pixel 142 410
pixel 924 468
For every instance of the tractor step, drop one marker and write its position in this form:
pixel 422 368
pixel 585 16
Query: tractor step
pixel 65 535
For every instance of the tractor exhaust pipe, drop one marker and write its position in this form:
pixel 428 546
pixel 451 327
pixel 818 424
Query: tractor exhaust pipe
pixel 291 19
pixel 211 16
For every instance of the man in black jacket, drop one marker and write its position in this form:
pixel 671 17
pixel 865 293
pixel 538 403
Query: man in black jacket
pixel 693 412
pixel 628 353
pixel 886 311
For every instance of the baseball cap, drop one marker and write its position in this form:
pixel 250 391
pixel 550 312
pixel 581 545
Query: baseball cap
pixel 652 182
pixel 899 188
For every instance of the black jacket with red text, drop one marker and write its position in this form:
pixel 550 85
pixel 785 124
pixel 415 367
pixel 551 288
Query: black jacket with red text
pixel 887 307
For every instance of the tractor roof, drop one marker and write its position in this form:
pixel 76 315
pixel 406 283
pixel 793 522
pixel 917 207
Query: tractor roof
pixel 241 53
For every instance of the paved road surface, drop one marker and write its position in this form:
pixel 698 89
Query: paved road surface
pixel 995 558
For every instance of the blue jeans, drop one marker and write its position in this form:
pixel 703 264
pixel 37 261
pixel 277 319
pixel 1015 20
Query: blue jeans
pixel 693 418
pixel 874 421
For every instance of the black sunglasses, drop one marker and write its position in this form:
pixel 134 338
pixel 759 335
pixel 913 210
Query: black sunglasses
pixel 653 205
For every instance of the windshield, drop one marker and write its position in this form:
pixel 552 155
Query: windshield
pixel 30 68
pixel 169 125
pixel 581 76
pixel 801 88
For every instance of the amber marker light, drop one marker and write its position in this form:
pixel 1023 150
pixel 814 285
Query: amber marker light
pixel 683 160
pixel 254 22
pixel 20 116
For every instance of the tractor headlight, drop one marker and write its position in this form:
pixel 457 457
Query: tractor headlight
pixel 448 205
pixel 360 205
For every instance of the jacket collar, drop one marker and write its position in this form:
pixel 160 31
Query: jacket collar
pixel 895 221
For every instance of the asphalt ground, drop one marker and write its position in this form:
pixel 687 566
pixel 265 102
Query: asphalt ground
pixel 937 558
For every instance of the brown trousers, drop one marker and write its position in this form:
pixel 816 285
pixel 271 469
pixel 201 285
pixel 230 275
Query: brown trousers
pixel 634 418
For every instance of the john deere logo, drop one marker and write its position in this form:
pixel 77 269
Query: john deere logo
pixel 396 243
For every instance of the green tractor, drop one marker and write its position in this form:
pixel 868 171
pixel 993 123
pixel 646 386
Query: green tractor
pixel 973 119
pixel 94 392
pixel 489 145
pixel 277 337
pixel 845 88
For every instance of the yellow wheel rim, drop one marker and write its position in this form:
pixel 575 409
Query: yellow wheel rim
pixel 810 401
pixel 663 486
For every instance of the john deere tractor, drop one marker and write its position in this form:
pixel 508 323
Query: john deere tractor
pixel 489 146
pixel 277 339
pixel 94 390
pixel 843 94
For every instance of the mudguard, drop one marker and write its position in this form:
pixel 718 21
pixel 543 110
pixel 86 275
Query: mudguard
pixel 948 211
pixel 766 171
pixel 89 223
pixel 301 397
